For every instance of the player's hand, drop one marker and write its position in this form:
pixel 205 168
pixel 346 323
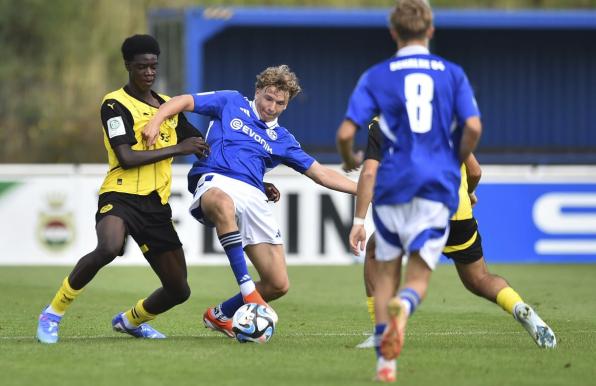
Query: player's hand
pixel 194 145
pixel 354 162
pixel 357 239
pixel 473 198
pixel 271 191
pixel 150 132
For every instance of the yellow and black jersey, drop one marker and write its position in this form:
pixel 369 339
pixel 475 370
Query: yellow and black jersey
pixel 464 209
pixel 124 117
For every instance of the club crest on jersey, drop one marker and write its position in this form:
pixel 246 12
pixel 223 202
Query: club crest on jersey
pixel 238 125
pixel 272 134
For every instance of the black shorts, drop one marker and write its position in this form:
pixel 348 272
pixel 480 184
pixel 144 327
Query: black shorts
pixel 146 220
pixel 462 233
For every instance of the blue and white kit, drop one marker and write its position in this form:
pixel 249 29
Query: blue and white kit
pixel 242 149
pixel 422 101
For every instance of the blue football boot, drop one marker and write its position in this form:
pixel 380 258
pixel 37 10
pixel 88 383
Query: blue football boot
pixel 143 331
pixel 48 327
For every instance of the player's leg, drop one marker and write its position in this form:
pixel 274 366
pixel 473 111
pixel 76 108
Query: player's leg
pixel 219 208
pixel 477 279
pixel 464 247
pixel 422 227
pixel 369 280
pixel 269 261
pixel 263 245
pixel 170 267
pixel 111 232
pixel 386 276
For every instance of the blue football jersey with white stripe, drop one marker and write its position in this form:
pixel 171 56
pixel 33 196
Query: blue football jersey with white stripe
pixel 241 145
pixel 422 101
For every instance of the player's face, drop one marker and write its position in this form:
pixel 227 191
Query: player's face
pixel 271 102
pixel 143 70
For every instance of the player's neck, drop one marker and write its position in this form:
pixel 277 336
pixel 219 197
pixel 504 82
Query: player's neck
pixel 144 95
pixel 421 42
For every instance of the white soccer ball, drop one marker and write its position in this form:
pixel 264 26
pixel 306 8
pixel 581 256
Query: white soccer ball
pixel 254 323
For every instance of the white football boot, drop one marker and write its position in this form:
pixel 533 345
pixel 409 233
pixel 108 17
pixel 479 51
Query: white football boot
pixel 536 327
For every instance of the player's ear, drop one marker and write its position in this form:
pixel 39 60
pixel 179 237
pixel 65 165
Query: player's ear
pixel 127 65
pixel 393 34
pixel 430 32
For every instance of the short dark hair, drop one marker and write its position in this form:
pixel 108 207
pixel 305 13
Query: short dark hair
pixel 139 44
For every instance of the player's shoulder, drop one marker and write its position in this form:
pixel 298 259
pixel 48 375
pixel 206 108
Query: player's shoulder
pixel 114 95
pixel 447 65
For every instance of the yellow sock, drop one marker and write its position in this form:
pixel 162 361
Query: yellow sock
pixel 370 303
pixel 64 297
pixel 507 298
pixel 138 314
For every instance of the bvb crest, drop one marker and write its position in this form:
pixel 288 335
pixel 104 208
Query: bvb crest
pixel 55 225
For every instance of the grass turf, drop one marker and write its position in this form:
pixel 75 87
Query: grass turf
pixel 455 338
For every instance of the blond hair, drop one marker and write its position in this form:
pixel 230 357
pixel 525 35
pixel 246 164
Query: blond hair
pixel 411 19
pixel 280 77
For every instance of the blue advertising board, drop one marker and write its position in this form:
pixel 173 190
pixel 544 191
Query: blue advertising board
pixel 537 222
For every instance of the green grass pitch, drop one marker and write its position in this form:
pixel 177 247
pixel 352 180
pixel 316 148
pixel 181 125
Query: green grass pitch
pixel 454 338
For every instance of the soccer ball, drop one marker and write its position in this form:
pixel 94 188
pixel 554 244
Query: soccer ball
pixel 254 323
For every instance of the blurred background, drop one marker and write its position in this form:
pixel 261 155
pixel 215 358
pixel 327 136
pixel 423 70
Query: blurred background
pixel 532 64
pixel 535 83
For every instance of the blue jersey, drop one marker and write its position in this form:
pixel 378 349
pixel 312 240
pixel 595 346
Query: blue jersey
pixel 242 146
pixel 422 101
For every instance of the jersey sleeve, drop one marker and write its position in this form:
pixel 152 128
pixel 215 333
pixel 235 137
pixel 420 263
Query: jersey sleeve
pixel 362 106
pixel 212 103
pixel 117 123
pixel 185 129
pixel 373 145
pixel 465 103
pixel 296 158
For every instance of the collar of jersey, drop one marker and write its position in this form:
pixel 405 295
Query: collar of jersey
pixel 413 50
pixel 271 125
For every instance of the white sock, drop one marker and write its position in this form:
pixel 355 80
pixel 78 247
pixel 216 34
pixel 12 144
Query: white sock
pixel 247 287
pixel 52 311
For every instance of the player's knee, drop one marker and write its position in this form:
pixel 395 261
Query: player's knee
pixel 106 252
pixel 218 206
pixel 182 294
pixel 279 288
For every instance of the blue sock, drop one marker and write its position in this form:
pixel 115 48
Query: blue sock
pixel 410 298
pixel 232 244
pixel 230 306
pixel 379 329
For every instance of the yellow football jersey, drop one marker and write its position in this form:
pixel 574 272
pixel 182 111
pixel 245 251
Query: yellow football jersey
pixel 141 180
pixel 464 210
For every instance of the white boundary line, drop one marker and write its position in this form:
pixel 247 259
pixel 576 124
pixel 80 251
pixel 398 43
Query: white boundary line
pixel 314 334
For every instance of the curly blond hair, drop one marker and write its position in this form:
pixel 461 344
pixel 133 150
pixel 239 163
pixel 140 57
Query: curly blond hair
pixel 280 77
pixel 411 19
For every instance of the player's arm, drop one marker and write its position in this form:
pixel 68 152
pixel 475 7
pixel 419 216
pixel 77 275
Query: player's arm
pixel 364 196
pixel 129 158
pixel 174 106
pixel 118 125
pixel 467 112
pixel 474 173
pixel 470 137
pixel 329 178
pixel 345 144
